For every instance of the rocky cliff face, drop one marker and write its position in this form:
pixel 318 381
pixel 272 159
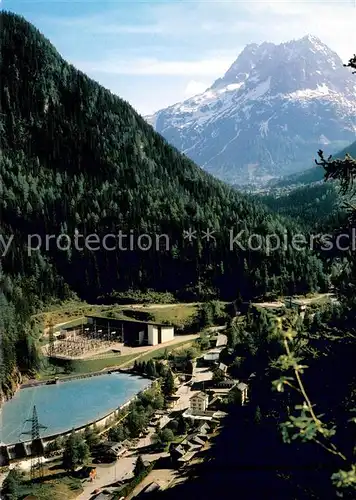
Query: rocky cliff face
pixel 9 388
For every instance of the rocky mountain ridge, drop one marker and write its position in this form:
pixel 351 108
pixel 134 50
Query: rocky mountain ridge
pixel 268 115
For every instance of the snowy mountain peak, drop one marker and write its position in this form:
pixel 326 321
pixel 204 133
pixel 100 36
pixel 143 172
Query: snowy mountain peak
pixel 244 64
pixel 290 64
pixel 312 46
pixel 313 40
pixel 268 115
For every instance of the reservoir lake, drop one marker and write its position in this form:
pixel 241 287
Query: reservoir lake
pixel 66 405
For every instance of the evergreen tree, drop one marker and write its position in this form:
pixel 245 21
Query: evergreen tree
pixel 139 466
pixel 12 485
pixel 168 386
pixel 76 452
pixel 258 415
pixel 136 422
pixel 151 369
pixel 143 366
pixel 117 433
pixel 91 437
pixel 182 425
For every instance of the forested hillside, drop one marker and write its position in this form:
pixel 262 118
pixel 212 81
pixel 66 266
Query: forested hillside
pixel 313 206
pixel 307 199
pixel 272 445
pixel 76 158
pixel 313 174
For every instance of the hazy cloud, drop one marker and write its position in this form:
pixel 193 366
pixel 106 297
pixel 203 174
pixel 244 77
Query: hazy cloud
pixel 204 67
pixel 194 87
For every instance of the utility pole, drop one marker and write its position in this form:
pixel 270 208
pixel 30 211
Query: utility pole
pixel 36 445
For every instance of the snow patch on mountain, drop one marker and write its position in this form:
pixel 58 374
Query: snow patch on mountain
pixel 233 86
pixel 321 90
pixel 264 125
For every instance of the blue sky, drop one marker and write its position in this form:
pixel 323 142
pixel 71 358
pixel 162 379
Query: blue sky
pixel 156 53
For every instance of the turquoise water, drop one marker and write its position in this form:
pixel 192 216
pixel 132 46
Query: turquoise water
pixel 67 405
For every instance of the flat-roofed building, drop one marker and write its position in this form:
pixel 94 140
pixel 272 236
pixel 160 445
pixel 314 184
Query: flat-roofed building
pixel 131 332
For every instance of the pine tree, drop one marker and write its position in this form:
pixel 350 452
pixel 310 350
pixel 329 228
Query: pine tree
pixel 91 437
pixel 12 485
pixel 258 416
pixel 168 386
pixel 143 367
pixel 139 466
pixel 151 369
pixel 76 452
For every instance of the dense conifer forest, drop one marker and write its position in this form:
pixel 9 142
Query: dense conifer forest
pixel 313 207
pixel 313 174
pixel 309 200
pixel 76 158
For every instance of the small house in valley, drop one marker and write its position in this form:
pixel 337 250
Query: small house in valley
pixel 296 304
pixel 186 450
pixel 112 449
pixel 212 356
pixel 199 402
pixel 243 388
pixel 223 368
pixel 224 387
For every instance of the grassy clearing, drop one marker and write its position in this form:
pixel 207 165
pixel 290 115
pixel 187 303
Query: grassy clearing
pixel 82 366
pixel 96 365
pixel 56 489
pixel 179 315
pixel 157 353
pixel 72 312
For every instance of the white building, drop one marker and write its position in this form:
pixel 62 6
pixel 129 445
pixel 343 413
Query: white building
pixel 243 388
pixel 221 341
pixel 212 356
pixel 222 367
pixel 114 449
pixel 199 402
pixel 159 334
